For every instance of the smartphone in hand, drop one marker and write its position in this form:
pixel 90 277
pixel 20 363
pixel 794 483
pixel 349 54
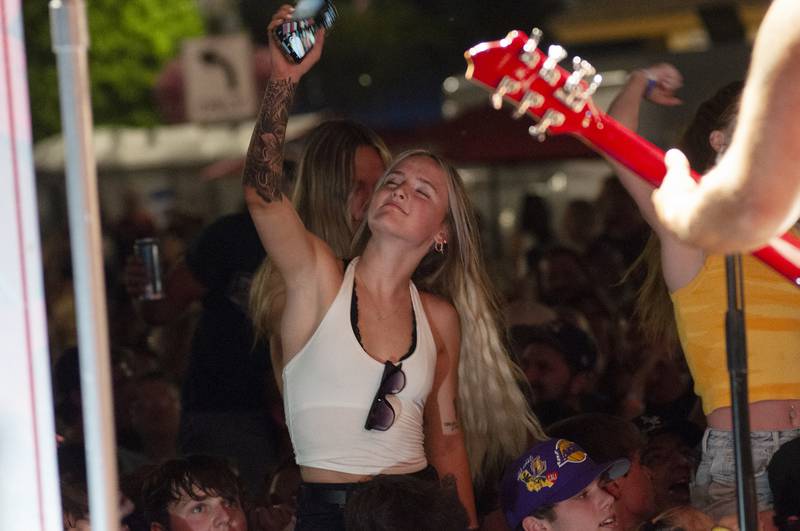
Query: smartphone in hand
pixel 296 37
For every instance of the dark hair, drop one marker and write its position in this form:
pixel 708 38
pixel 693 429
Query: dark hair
pixel 74 501
pixel 405 503
pixel 783 473
pixel 192 476
pixel 576 346
pixel 713 114
pixel 545 512
pixel 604 437
pixel 534 217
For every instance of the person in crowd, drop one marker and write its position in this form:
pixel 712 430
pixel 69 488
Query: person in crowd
pixel 609 438
pixel 561 276
pixel 579 224
pixel 405 503
pixel 155 416
pixel 339 166
pixel 783 473
pixel 224 396
pixel 278 511
pixel 754 192
pixel 74 507
pixel 558 360
pixel 680 518
pixel 406 368
pixel 684 298
pixel 533 235
pixel 556 486
pixel 622 226
pixel 193 493
pixel 670 453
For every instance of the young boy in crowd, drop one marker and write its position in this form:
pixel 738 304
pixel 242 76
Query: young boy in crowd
pixel 608 438
pixel 555 486
pixel 193 493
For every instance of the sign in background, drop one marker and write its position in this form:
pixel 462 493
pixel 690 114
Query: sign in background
pixel 219 82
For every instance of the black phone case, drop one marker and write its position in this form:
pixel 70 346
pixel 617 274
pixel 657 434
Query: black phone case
pixel 297 37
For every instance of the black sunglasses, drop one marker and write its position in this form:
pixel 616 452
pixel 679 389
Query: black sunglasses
pixel 381 415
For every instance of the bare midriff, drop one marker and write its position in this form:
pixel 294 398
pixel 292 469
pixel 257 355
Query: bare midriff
pixel 766 415
pixel 320 475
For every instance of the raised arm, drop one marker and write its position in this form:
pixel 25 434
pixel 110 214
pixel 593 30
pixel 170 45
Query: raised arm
pixel 657 83
pixel 753 193
pixel 280 229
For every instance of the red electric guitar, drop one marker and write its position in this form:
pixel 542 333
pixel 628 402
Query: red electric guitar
pixel 515 70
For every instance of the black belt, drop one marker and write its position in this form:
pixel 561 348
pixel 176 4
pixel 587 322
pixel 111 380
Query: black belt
pixel 339 493
pixel 336 494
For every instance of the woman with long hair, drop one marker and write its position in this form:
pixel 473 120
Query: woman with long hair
pixel 339 166
pixel 378 375
pixel 684 299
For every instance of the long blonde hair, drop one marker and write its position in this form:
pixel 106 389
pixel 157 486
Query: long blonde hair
pixel 495 416
pixel 320 196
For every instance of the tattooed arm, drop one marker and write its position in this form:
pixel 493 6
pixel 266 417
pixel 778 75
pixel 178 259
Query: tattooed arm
pixel 281 231
pixel 444 439
pixel 263 169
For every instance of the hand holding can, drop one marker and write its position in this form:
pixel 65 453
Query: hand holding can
pixel 146 250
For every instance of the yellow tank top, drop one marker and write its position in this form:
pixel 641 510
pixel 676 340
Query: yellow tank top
pixel 772 320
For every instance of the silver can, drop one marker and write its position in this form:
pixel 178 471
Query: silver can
pixel 147 251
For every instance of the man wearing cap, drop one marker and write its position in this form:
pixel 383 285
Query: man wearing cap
pixel 555 486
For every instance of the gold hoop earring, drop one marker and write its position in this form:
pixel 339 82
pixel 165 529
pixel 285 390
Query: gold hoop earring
pixel 439 246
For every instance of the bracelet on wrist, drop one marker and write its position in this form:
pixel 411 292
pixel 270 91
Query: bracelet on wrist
pixel 651 84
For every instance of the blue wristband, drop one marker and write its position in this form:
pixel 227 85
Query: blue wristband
pixel 651 84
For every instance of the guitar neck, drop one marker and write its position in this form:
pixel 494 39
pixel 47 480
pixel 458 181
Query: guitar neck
pixel 515 70
pixel 643 158
pixel 646 160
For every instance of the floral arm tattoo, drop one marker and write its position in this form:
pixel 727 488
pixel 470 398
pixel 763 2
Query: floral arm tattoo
pixel 263 168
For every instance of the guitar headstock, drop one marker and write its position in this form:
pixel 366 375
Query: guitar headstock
pixel 518 72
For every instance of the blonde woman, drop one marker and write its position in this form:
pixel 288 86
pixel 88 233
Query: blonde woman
pixel 379 376
pixel 340 164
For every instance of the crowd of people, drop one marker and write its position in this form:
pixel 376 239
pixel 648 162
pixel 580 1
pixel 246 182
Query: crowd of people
pixel 353 366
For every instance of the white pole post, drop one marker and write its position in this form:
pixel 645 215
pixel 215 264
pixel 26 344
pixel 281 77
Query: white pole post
pixel 70 44
pixel 29 493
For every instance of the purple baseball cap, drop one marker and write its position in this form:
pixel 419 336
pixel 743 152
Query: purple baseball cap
pixel 552 471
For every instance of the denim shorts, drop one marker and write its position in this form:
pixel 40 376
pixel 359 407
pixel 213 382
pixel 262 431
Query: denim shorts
pixel 714 488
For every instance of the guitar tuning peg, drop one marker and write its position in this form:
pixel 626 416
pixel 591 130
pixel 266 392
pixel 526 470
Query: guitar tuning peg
pixel 584 67
pixel 575 97
pixel 531 99
pixel 528 56
pixel 506 85
pixel 533 40
pixel 551 117
pixel 555 54
pixel 581 69
pixel 596 80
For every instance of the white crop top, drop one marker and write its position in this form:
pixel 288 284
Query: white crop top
pixel 329 387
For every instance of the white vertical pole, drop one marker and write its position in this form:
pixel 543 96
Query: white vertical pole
pixel 70 44
pixel 29 494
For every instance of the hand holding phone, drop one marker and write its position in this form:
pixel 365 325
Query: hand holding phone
pixel 296 37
